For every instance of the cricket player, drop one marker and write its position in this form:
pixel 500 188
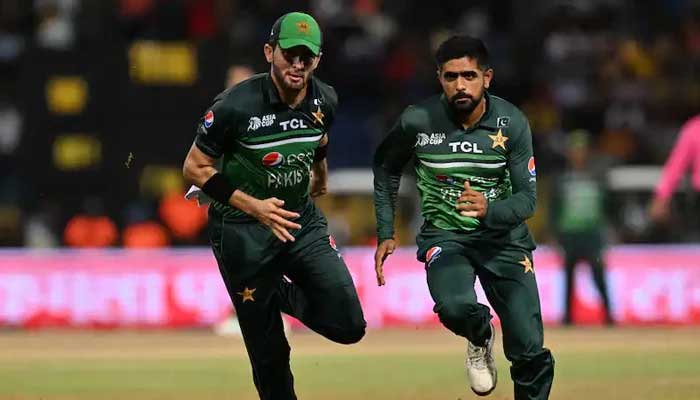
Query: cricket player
pixel 269 239
pixel 472 154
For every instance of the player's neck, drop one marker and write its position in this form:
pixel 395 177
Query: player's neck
pixel 290 97
pixel 472 118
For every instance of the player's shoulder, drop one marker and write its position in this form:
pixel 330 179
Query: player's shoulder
pixel 417 115
pixel 326 92
pixel 506 113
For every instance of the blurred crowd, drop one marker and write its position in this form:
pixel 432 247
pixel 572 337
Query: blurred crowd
pixel 623 72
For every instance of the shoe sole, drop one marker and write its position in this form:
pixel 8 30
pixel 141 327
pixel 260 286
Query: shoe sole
pixel 495 380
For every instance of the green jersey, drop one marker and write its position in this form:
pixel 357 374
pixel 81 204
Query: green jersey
pixel 494 155
pixel 267 147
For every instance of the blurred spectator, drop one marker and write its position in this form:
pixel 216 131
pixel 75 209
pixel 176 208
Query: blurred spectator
pixel 685 156
pixel 237 73
pixel 91 228
pixel 146 234
pixel 141 228
pixel 183 218
pixel 578 215
pixel 56 28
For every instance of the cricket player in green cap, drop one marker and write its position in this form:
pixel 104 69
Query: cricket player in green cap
pixel 475 170
pixel 269 239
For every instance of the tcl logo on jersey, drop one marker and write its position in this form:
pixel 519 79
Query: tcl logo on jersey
pixel 294 123
pixel 273 159
pixel 209 119
pixel 465 147
pixel 432 254
pixel 531 166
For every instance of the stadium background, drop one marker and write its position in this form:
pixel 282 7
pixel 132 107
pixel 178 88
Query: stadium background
pixel 99 102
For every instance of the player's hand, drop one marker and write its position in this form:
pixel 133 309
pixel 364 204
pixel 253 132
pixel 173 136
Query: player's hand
pixel 472 203
pixel 384 250
pixel 660 210
pixel 319 184
pixel 270 213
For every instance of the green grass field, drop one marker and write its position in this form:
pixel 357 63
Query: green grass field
pixel 592 363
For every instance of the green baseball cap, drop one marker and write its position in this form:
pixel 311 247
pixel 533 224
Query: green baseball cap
pixel 297 29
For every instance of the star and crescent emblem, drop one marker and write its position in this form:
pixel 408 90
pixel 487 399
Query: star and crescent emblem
pixel 527 264
pixel 318 115
pixel 247 294
pixel 499 140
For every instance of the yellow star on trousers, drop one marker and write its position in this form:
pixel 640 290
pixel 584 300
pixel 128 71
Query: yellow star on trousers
pixel 527 264
pixel 498 140
pixel 318 115
pixel 247 294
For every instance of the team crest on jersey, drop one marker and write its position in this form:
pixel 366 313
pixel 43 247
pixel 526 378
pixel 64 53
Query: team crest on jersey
pixel 531 166
pixel 209 119
pixel 273 159
pixel 433 254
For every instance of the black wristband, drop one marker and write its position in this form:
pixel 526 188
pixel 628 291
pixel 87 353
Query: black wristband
pixel 320 153
pixel 218 188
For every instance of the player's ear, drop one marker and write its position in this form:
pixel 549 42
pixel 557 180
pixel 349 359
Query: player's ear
pixel 269 51
pixel 317 60
pixel 488 75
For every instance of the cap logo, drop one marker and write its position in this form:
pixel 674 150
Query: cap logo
pixel 303 27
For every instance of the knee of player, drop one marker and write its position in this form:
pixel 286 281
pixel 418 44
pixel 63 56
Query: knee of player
pixel 352 334
pixel 457 308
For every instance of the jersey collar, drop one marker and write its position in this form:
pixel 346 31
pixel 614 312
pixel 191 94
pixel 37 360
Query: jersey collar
pixel 485 122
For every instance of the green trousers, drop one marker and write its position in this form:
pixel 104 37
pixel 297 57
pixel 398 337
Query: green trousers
pixel 306 279
pixel 503 263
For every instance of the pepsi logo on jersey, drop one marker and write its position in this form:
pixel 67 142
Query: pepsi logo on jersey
pixel 209 119
pixel 432 254
pixel 273 159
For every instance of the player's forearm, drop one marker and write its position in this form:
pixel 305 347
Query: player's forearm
pixel 320 169
pixel 386 189
pixel 510 212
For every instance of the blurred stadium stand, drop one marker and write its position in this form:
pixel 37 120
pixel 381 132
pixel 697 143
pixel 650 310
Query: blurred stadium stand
pixel 100 99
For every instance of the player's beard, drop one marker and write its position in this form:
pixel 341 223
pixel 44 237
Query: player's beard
pixel 289 84
pixel 467 107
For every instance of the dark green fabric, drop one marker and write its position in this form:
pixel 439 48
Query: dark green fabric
pixel 511 289
pixel 321 293
pixel 444 155
pixel 267 147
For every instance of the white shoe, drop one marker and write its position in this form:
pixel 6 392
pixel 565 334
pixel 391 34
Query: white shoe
pixel 481 367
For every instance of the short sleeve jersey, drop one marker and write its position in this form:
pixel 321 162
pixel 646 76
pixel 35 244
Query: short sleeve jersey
pixel 267 147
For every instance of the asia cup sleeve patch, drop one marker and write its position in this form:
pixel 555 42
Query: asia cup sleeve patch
pixel 531 167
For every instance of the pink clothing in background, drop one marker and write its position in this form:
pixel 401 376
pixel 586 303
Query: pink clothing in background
pixel 685 154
